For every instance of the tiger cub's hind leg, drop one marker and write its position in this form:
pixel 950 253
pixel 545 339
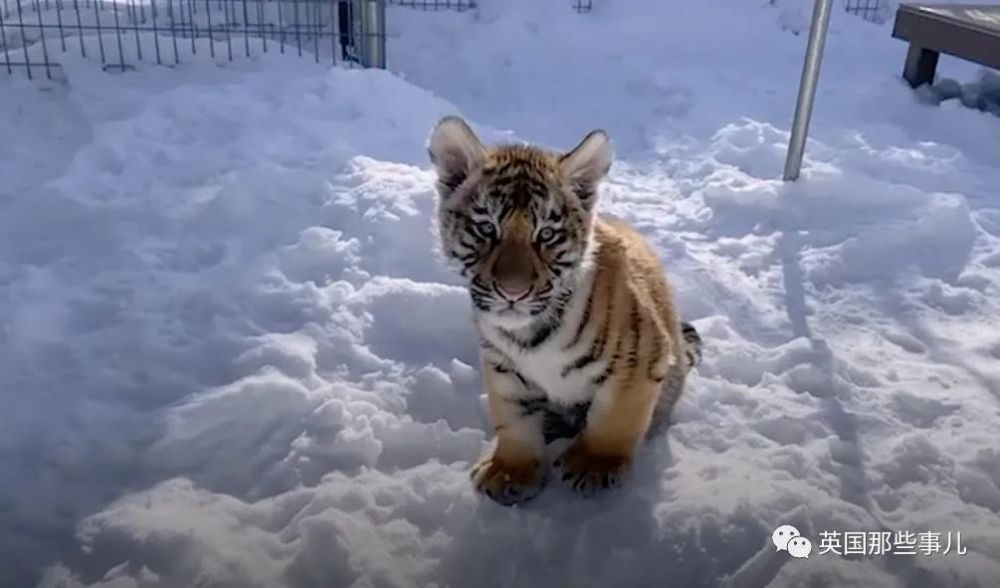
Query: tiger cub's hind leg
pixel 675 381
pixel 617 421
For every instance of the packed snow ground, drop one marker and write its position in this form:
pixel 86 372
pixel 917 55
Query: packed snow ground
pixel 229 355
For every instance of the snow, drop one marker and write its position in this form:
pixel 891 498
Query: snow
pixel 230 355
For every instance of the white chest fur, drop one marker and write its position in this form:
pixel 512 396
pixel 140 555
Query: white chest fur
pixel 545 365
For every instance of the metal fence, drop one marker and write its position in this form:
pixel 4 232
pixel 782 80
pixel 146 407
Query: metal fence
pixel 459 5
pixel 125 33
pixel 870 10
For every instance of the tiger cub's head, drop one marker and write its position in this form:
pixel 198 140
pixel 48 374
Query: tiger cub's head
pixel 515 219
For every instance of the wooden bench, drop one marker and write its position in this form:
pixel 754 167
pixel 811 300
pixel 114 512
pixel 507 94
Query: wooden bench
pixel 968 31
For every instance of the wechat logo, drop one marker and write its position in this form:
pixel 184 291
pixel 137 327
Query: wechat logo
pixel 787 538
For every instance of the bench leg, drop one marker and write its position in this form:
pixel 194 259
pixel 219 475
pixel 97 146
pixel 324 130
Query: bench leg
pixel 920 65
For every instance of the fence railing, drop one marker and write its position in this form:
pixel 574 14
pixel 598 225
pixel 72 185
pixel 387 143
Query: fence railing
pixel 125 33
pixel 458 5
pixel 870 10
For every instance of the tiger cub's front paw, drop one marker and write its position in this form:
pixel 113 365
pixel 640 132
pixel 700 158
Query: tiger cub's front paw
pixel 508 480
pixel 590 472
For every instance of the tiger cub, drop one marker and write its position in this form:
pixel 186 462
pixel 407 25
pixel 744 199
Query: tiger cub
pixel 573 310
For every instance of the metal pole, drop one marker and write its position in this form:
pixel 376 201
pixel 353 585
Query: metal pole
pixel 807 88
pixel 374 33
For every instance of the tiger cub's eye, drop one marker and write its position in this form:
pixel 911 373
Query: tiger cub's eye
pixel 486 229
pixel 546 234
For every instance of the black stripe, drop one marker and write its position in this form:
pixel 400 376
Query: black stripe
pixel 448 183
pixel 595 351
pixel 543 303
pixel 653 364
pixel 537 338
pixel 558 240
pixel 635 332
pixel 542 335
pixel 602 339
pixel 511 337
pixel 473 247
pixel 501 368
pixel 584 191
pixel 545 289
pixel 584 318
pixel 470 240
pixel 506 210
pixel 693 344
pixel 602 377
pixel 530 406
pixel 580 363
pixel 469 230
pixel 612 364
pixel 563 303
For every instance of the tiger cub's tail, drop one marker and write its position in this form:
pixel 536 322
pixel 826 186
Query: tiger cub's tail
pixel 693 345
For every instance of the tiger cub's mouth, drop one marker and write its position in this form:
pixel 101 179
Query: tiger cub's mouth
pixel 513 314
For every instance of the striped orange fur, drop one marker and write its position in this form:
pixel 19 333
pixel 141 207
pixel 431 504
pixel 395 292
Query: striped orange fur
pixel 579 332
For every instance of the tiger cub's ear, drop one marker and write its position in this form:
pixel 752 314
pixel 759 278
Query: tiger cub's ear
pixel 586 165
pixel 455 151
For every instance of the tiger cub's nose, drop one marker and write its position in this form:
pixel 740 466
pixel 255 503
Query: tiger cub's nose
pixel 513 291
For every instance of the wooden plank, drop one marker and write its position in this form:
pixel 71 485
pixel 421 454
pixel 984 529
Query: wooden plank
pixel 968 31
pixel 920 66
